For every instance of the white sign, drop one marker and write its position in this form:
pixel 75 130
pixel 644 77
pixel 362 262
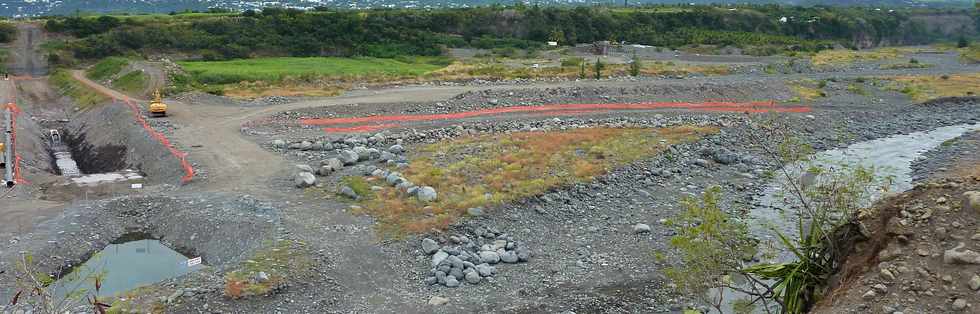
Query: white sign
pixel 194 262
pixel 137 186
pixel 552 43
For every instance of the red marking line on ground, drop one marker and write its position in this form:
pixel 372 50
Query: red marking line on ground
pixel 362 128
pixel 762 106
pixel 182 156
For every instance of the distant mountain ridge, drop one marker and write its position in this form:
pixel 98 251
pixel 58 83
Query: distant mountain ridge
pixel 29 8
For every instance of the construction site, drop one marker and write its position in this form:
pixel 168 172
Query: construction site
pixel 551 196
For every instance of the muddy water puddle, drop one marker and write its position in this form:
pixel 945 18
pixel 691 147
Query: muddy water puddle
pixel 123 267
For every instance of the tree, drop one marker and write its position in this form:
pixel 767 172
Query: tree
pixel 598 68
pixel 962 42
pixel 581 73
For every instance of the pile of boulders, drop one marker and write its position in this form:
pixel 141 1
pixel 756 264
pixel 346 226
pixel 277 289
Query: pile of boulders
pixel 470 260
pixel 304 177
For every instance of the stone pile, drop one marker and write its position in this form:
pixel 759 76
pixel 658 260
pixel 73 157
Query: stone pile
pixel 471 260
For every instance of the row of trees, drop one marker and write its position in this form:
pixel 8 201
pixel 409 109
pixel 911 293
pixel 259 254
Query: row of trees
pixel 7 32
pixel 387 33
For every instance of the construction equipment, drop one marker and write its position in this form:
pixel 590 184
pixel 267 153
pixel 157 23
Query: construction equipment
pixel 157 107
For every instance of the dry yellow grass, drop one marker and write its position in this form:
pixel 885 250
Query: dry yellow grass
pixel 926 87
pixel 842 56
pixel 494 169
pixel 806 90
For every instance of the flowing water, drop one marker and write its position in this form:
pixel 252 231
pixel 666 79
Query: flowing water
pixel 124 267
pixel 891 158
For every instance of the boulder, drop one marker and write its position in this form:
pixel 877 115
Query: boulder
pixel 641 228
pixel 362 153
pixel 396 149
pixel 427 194
pixel 971 201
pixel 473 277
pixel 324 170
pixel 956 256
pixel 437 301
pixel 333 163
pixel 475 211
pixel 509 257
pixel 429 246
pixel 349 193
pixel 279 144
pixel 485 270
pixel 489 257
pixel 305 145
pixel 394 178
pixel 304 168
pixel 304 180
pixel 451 281
pixel 439 257
pixel 348 157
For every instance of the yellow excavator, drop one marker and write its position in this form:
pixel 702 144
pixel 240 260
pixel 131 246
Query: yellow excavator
pixel 157 107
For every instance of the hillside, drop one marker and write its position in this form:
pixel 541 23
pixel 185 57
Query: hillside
pixel 53 7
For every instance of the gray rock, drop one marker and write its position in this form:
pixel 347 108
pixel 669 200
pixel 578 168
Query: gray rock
pixel 349 193
pixel 974 282
pixel 701 162
pixel 261 277
pixel 404 185
pixel 429 246
pixel 439 257
pixel 485 270
pixel 394 178
pixel 324 170
pixel 427 194
pixel 959 304
pixel 725 157
pixel 437 301
pixel 431 280
pixel 489 257
pixel 304 180
pixel 523 254
pixel 396 149
pixel 473 277
pixel 412 191
pixel 869 295
pixel 386 156
pixel 348 157
pixel 304 168
pixel 451 281
pixel 305 145
pixel 456 273
pixel 509 257
pixel 955 256
pixel 475 211
pixel 641 228
pixel 362 153
pixel 333 163
pixel 971 201
pixel 278 143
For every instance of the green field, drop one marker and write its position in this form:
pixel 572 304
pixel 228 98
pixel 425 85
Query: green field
pixel 106 68
pixel 132 83
pixel 275 69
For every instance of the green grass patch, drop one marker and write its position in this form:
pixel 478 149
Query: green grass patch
pixel 132 83
pixel 106 68
pixel 489 170
pixel 970 54
pixel 83 96
pixel 276 69
pixel 360 186
pixel 281 261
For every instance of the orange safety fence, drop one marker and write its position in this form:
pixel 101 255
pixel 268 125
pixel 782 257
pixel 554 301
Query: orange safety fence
pixel 15 111
pixel 182 156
